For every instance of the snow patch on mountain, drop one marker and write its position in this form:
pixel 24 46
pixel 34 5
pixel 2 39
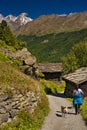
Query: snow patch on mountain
pixel 22 19
pixel 1 18
pixel 10 18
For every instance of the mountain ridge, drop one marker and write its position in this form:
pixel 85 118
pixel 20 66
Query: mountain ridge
pixel 16 22
pixel 11 18
pixel 47 24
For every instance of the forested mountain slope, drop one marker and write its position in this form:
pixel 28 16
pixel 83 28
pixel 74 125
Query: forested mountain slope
pixel 51 47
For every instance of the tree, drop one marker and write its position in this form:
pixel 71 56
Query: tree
pixel 6 34
pixel 76 58
pixel 8 37
pixel 80 52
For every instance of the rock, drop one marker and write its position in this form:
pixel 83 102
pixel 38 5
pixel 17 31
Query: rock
pixel 13 113
pixel 4 97
pixel 25 56
pixel 4 118
pixel 27 59
pixel 9 107
pixel 2 110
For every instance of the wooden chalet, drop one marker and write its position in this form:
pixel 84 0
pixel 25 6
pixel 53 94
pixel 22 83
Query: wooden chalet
pixel 51 71
pixel 78 77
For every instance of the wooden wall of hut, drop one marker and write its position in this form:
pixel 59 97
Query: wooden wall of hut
pixel 56 76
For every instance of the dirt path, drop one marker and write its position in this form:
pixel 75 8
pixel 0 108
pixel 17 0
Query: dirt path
pixel 54 121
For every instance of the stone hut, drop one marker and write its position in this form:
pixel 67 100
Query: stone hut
pixel 78 77
pixel 52 71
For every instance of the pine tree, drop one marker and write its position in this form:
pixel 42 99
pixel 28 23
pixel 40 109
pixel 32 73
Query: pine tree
pixel 8 37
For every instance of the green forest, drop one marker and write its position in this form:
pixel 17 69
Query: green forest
pixel 52 47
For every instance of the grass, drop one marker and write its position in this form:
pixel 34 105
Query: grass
pixel 27 121
pixel 84 110
pixel 11 77
pixel 70 99
pixel 15 63
pixel 4 58
pixel 52 87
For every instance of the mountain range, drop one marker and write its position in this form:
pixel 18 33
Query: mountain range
pixel 49 37
pixel 16 22
pixel 46 24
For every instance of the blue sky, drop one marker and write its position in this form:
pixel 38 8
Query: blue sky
pixel 35 8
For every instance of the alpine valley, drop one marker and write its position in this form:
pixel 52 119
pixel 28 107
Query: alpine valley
pixel 49 37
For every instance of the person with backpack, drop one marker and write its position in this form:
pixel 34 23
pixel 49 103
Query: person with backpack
pixel 77 98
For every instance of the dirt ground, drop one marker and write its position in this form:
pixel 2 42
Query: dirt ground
pixel 55 121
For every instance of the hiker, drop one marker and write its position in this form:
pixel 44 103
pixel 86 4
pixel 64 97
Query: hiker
pixel 77 98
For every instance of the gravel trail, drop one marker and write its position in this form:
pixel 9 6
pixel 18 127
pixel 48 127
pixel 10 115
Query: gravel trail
pixel 55 121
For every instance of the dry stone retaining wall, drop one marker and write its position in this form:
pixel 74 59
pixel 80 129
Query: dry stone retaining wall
pixel 11 105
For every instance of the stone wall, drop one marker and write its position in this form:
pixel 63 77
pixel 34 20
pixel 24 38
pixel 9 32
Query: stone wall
pixel 10 105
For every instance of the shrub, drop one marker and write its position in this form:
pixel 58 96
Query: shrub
pixel 52 87
pixel 84 110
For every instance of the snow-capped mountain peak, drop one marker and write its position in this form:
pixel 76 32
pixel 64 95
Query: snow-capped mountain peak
pixel 10 18
pixel 21 19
